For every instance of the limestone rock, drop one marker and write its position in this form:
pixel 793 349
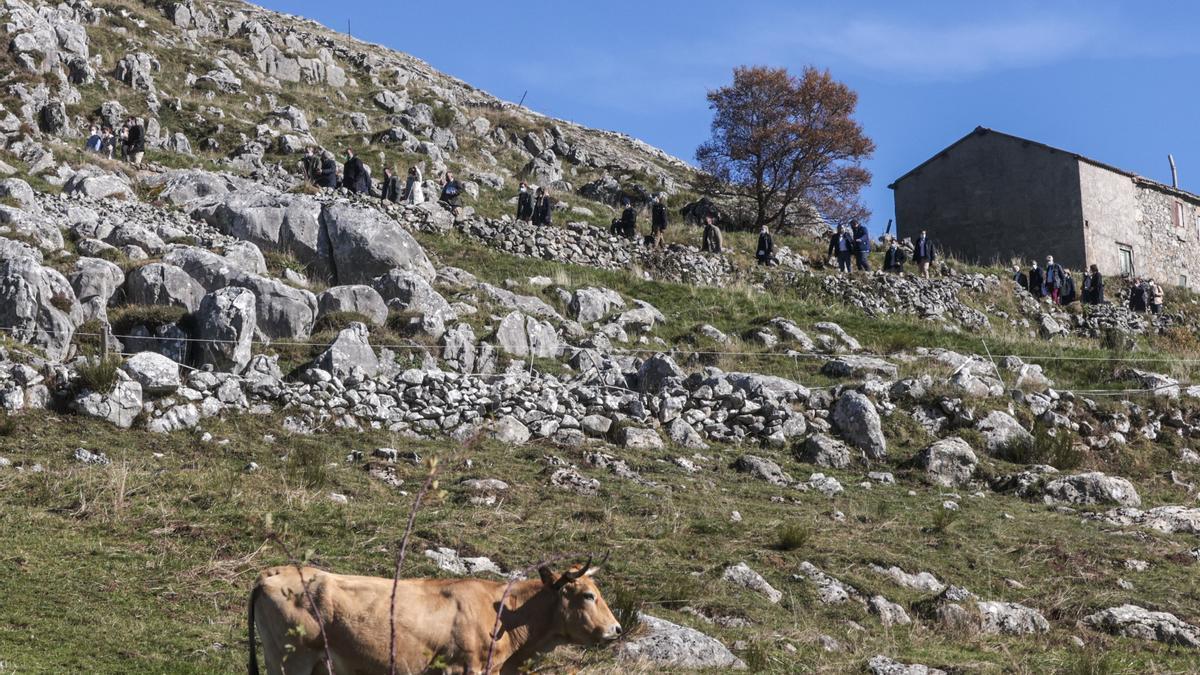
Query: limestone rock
pixel 824 451
pixel 668 645
pixel 855 417
pixel 156 373
pixel 1091 488
pixel 949 462
pixel 1140 623
pixel 349 351
pixel 741 575
pixel 225 323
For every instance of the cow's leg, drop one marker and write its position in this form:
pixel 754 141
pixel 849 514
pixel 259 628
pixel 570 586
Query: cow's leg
pixel 303 661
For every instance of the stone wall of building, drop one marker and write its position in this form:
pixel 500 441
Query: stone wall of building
pixel 993 197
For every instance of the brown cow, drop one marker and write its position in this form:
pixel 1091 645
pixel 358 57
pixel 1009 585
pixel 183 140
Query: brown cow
pixel 442 625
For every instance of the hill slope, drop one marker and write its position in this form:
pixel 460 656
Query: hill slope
pixel 819 473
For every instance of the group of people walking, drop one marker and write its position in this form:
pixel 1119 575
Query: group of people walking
pixel 1056 284
pixel 131 140
pixel 853 245
pixel 536 208
pixel 321 170
pixel 1145 294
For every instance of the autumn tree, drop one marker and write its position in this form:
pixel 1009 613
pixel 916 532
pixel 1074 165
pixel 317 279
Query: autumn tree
pixel 783 144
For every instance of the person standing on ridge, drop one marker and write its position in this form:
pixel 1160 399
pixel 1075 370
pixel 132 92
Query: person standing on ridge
pixel 1053 279
pixel 524 204
pixel 924 253
pixel 765 252
pixel 841 248
pixel 862 245
pixel 1093 287
pixel 354 174
pixel 543 208
pixel 451 193
pixel 629 221
pixel 894 258
pixel 310 166
pixel 1037 286
pixel 135 142
pixel 392 192
pixel 658 220
pixel 712 241
pixel 414 192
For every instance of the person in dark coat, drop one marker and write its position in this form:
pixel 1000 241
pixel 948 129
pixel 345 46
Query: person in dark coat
pixel 524 203
pixel 354 174
pixel 629 222
pixel 1019 277
pixel 765 252
pixel 310 165
pixel 841 247
pixel 1093 287
pixel 924 253
pixel 1067 294
pixel 328 177
pixel 1053 276
pixel 1036 282
pixel 658 220
pixel 135 142
pixel 451 192
pixel 894 258
pixel 862 245
pixel 712 241
pixel 393 190
pixel 543 209
pixel 1138 299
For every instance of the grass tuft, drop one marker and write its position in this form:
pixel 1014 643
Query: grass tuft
pixel 99 374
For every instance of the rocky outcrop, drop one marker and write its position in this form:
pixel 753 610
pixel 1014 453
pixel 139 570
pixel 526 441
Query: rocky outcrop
pixel 225 324
pixel 857 420
pixel 1143 624
pixel 949 462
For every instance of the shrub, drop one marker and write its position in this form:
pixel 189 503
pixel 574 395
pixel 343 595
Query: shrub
pixel 443 116
pixel 7 426
pixel 336 321
pixel 307 465
pixel 943 518
pixel 1055 447
pixel 278 261
pixel 124 319
pixel 62 302
pixel 99 374
pixel 791 536
pixel 627 607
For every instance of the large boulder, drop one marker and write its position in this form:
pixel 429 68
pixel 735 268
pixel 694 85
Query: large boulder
pixel 163 284
pixel 283 311
pixel 95 183
pixel 825 451
pixel 272 221
pixel 666 645
pixel 656 371
pixel 1143 624
pixel 857 420
pixel 1002 431
pixel 156 373
pixel 356 298
pixel 120 406
pixel 1091 488
pixel 365 244
pixel 741 575
pixel 37 306
pixel 404 290
pixel 949 462
pixel 225 325
pixel 763 469
pixel 1010 618
pixel 588 305
pixel 521 335
pixel 95 282
pixel 350 350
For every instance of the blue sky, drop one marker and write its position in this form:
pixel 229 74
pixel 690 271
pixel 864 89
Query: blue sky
pixel 1111 80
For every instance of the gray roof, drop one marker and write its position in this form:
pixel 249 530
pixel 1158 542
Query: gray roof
pixel 981 131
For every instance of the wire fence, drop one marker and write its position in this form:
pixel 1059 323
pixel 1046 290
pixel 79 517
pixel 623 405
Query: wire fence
pixel 642 351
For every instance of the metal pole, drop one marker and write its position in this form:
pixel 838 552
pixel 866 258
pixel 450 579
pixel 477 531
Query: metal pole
pixel 1174 174
pixel 522 101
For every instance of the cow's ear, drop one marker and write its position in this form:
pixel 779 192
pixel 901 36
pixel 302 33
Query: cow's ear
pixel 546 575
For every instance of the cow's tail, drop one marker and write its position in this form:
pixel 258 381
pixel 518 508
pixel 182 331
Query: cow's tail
pixel 252 662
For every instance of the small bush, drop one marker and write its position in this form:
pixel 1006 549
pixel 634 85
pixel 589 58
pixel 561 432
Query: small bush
pixel 89 338
pixel 443 117
pixel 1117 341
pixel 627 607
pixel 99 374
pixel 124 319
pixel 943 518
pixel 307 466
pixel 792 536
pixel 1055 447
pixel 336 321
pixel 7 426
pixel 278 261
pixel 62 302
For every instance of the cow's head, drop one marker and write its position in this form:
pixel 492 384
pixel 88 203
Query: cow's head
pixel 581 614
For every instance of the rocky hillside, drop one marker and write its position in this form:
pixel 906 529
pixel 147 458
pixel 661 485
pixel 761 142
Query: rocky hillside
pixel 793 470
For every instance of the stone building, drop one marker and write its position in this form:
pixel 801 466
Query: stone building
pixel 992 197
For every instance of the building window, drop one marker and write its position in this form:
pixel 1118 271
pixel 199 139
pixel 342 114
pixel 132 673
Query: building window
pixel 1183 280
pixel 1126 255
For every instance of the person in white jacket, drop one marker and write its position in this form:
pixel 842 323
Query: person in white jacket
pixel 414 193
